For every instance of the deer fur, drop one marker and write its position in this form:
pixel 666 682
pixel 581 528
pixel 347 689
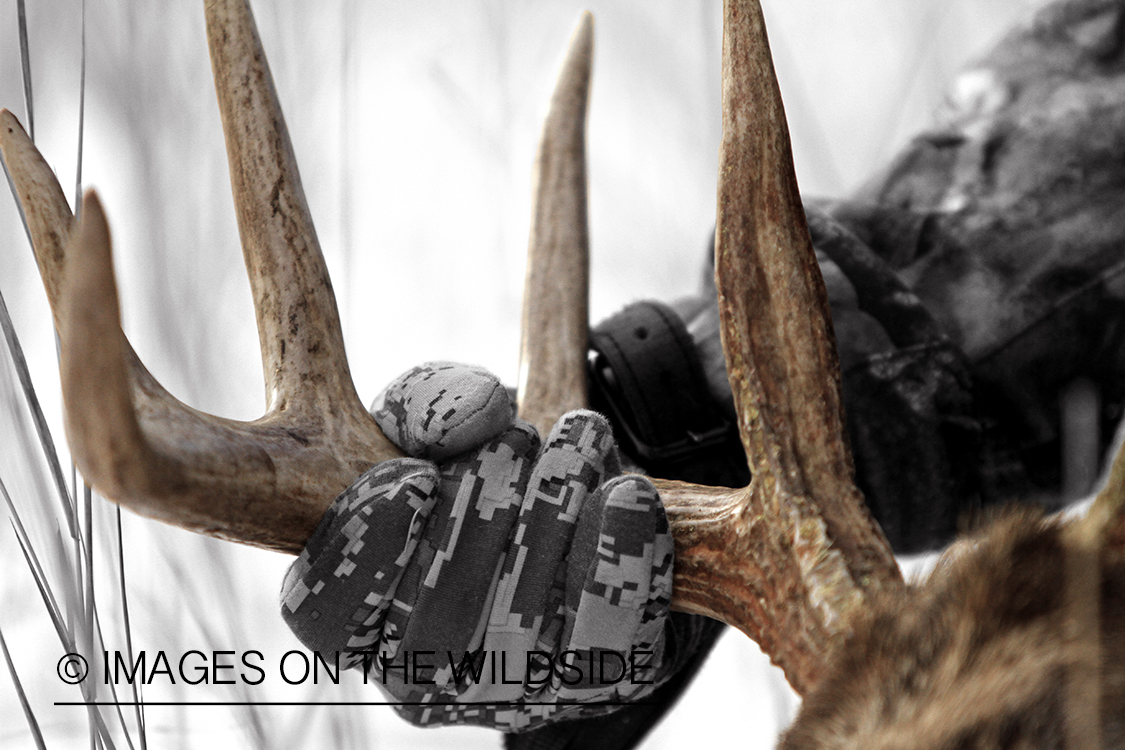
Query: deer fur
pixel 982 654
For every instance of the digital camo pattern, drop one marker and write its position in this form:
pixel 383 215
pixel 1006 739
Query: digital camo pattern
pixel 353 562
pixel 531 583
pixel 440 409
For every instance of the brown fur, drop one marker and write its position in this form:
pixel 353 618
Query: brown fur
pixel 976 656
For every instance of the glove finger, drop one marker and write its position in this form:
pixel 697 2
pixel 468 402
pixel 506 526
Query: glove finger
pixel 464 545
pixel 619 588
pixel 440 409
pixel 335 595
pixel 527 610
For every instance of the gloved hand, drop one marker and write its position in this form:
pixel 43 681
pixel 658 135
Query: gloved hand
pixel 505 585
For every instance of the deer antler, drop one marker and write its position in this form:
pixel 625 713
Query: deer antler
pixel 552 374
pixel 268 482
pixel 785 559
pixel 265 482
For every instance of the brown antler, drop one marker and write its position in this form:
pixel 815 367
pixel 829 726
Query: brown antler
pixel 265 482
pixel 552 373
pixel 786 559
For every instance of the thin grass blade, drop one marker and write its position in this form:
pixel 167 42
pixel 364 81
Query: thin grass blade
pixel 81 120
pixel 45 440
pixel 32 722
pixel 138 705
pixel 88 549
pixel 100 647
pixel 25 62
pixel 33 564
pixel 48 598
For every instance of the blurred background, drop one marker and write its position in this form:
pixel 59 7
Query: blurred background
pixel 415 125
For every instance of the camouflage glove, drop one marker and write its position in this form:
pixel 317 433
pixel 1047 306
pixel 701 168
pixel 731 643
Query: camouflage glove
pixel 506 586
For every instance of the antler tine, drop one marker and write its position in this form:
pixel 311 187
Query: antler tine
pixel 48 215
pixel 552 373
pixel 303 359
pixel 789 557
pixel 97 387
pixel 776 326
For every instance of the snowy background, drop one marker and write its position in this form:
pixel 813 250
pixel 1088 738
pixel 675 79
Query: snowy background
pixel 415 126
